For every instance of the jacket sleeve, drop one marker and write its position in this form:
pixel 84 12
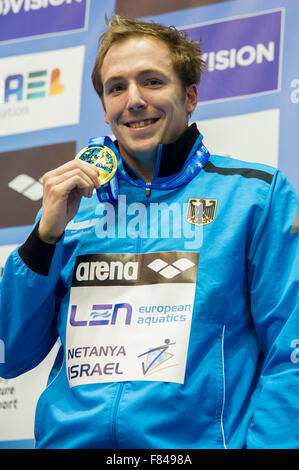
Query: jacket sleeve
pixel 273 269
pixel 29 300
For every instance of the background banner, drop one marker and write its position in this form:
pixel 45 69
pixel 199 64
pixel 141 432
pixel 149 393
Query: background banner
pixel 248 108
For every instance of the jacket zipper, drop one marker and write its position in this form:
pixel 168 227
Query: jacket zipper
pixel 122 384
pixel 147 196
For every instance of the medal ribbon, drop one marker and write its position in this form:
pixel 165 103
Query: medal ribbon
pixel 108 192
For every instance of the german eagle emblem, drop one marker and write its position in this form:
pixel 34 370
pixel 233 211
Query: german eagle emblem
pixel 201 211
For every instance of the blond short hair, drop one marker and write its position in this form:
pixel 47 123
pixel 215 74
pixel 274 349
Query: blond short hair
pixel 185 53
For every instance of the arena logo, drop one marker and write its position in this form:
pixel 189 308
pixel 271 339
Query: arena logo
pixel 27 186
pixel 28 18
pixel 102 270
pixel 170 270
pixel 21 184
pixel 239 63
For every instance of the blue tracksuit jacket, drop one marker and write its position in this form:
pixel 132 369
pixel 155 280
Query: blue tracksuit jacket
pixel 178 322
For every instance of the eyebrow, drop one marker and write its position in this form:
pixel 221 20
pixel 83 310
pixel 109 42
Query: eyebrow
pixel 143 72
pixel 113 79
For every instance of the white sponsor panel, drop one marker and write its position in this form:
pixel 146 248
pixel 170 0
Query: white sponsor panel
pixel 123 325
pixel 40 91
pixel 252 137
pixel 153 346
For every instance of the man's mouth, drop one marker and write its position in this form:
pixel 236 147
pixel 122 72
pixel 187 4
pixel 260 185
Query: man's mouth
pixel 141 123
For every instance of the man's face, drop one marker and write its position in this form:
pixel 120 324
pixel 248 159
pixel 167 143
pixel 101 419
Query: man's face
pixel 144 101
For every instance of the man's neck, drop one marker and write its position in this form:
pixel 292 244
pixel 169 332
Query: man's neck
pixel 173 156
pixel 144 163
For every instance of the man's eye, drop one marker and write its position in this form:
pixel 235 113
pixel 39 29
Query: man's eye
pixel 153 82
pixel 115 89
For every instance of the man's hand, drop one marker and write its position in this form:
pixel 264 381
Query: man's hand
pixel 63 189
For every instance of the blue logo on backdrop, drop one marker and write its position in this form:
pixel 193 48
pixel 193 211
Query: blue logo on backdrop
pixel 28 18
pixel 242 55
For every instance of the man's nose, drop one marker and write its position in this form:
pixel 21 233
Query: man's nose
pixel 135 100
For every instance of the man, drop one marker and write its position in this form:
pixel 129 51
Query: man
pixel 165 342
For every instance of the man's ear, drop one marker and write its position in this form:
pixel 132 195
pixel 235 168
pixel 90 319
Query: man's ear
pixel 191 98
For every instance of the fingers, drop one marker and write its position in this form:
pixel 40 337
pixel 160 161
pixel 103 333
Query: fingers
pixel 83 170
pixel 63 190
pixel 75 174
pixel 66 182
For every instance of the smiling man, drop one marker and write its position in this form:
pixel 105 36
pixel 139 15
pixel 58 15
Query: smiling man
pixel 162 346
pixel 144 98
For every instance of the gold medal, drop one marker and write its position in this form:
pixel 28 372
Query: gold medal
pixel 103 158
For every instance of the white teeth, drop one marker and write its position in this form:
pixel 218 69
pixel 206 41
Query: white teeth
pixel 136 125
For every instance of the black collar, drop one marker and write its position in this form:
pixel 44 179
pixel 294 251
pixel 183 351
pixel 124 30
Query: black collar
pixel 173 155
